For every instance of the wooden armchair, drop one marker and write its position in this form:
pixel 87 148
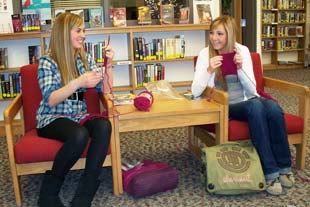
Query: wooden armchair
pixel 32 154
pixel 297 124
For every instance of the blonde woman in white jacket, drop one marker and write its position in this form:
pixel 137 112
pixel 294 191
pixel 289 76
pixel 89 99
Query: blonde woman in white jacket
pixel 264 116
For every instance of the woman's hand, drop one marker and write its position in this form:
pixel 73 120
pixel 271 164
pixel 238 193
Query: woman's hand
pixel 108 80
pixel 109 53
pixel 215 62
pixel 88 80
pixel 238 60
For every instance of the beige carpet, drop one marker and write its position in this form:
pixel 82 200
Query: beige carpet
pixel 169 145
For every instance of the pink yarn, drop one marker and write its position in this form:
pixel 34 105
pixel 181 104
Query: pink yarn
pixel 144 101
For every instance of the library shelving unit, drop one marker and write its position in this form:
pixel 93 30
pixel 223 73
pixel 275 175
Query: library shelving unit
pixel 283 27
pixel 122 37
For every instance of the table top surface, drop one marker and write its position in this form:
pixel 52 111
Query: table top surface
pixel 166 107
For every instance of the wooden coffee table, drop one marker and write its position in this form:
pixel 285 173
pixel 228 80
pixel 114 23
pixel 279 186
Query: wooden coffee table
pixel 167 113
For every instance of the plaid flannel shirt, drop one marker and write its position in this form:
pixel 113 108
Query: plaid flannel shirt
pixel 50 80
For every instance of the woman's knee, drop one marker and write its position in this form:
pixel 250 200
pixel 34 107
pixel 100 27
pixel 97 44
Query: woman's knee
pixel 102 123
pixel 273 109
pixel 80 136
pixel 255 107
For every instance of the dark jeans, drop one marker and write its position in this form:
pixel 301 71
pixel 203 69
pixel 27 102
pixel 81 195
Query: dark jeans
pixel 75 138
pixel 268 133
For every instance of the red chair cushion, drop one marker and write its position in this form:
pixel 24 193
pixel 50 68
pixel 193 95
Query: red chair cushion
pixel 32 148
pixel 294 124
pixel 239 130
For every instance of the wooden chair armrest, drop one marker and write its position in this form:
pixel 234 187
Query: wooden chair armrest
pixel 9 114
pixel 302 92
pixel 217 95
pixel 220 97
pixel 106 100
pixel 286 87
pixel 12 109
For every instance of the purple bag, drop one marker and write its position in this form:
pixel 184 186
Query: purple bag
pixel 147 179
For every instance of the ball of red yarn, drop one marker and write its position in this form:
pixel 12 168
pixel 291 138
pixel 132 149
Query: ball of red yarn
pixel 143 101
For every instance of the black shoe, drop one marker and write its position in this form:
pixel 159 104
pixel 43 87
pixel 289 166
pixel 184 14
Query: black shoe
pixel 86 190
pixel 49 191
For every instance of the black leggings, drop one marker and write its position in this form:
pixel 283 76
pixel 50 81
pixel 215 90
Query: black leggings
pixel 75 138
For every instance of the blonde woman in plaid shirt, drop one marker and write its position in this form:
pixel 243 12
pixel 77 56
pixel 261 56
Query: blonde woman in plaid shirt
pixel 64 74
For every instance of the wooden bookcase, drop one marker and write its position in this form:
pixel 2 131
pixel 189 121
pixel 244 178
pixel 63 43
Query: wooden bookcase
pixel 283 35
pixel 121 37
pixel 129 32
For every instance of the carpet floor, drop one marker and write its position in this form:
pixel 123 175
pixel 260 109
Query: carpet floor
pixel 168 145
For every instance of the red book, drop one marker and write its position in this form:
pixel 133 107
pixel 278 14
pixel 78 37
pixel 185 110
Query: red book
pixel 17 23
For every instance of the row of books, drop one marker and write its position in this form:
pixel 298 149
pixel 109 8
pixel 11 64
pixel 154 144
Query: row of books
pixel 95 16
pixel 268 18
pixel 291 4
pixel 166 15
pixel 26 22
pixel 92 16
pixel 149 73
pixel 283 17
pixel 290 31
pixel 269 4
pixel 291 17
pixel 96 50
pixel 3 58
pixel 10 85
pixel 282 31
pixel 268 44
pixel 289 44
pixel 286 44
pixel 159 49
pixel 269 31
pixel 283 4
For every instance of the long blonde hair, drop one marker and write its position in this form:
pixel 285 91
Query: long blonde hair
pixel 60 48
pixel 230 27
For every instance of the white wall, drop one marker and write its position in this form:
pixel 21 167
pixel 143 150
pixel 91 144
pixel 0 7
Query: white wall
pixel 5 16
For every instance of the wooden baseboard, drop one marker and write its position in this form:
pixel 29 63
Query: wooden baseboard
pixel 17 128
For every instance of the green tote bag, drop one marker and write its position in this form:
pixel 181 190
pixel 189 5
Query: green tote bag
pixel 232 168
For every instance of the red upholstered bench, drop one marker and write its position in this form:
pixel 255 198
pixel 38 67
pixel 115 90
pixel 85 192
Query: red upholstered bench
pixel 297 124
pixel 32 154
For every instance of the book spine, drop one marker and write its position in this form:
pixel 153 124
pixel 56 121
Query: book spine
pixel 1 91
pixel 3 86
pixel 11 86
pixel 7 93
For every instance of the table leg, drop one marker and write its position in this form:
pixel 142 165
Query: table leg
pixel 118 156
pixel 114 149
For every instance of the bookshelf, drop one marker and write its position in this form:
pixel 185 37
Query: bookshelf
pixel 283 33
pixel 121 40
